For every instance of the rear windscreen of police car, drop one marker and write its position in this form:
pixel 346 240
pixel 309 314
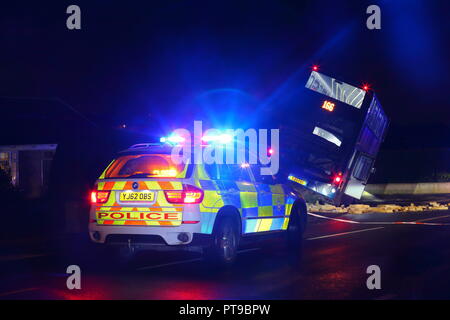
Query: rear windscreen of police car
pixel 145 166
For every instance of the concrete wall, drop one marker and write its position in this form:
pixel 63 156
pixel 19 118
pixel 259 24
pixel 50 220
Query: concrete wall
pixel 409 188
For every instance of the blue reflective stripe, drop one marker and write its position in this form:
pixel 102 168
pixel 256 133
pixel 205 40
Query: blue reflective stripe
pixel 264 199
pixel 226 185
pixel 277 224
pixel 233 199
pixel 250 225
pixel 206 222
pixel 263 187
pixel 290 200
pixel 207 185
pixel 250 212
pixel 278 210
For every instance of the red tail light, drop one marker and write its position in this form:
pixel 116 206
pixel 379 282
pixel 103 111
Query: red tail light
pixel 99 196
pixel 189 194
pixel 337 179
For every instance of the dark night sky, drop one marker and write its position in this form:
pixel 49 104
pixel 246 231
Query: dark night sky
pixel 152 64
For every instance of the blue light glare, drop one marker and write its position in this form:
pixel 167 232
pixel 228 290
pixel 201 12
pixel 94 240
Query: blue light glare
pixel 220 138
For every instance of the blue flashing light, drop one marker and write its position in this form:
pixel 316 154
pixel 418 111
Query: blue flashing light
pixel 176 139
pixel 172 139
pixel 220 138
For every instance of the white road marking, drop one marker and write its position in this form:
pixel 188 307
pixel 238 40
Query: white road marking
pixel 9 293
pixel 169 264
pixel 344 233
pixel 22 256
pixel 415 222
pixel 434 218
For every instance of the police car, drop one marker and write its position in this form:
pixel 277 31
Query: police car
pixel 144 200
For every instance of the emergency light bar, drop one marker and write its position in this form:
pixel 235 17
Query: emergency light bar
pixel 222 138
pixel 172 139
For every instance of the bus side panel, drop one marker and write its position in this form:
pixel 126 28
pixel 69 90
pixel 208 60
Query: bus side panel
pixel 371 137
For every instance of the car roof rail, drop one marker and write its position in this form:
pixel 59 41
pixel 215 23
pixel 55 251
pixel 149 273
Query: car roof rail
pixel 144 145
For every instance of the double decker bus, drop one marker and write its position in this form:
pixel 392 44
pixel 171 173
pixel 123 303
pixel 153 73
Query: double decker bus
pixel 329 146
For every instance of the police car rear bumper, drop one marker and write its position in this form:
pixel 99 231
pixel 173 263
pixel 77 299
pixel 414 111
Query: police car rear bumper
pixel 146 236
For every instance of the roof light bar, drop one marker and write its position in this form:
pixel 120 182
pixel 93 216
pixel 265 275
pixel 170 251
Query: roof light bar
pixel 172 139
pixel 220 138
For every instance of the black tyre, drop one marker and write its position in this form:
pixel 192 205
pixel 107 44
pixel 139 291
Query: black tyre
pixel 296 227
pixel 223 249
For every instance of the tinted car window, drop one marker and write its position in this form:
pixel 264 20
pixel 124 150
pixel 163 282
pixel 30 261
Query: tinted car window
pixel 145 166
pixel 233 172
pixel 268 179
pixel 211 170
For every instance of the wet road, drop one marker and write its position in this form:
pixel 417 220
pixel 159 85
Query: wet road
pixel 414 261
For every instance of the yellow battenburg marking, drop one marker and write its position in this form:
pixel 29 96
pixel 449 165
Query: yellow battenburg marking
pixel 111 199
pixel 249 199
pixel 265 211
pixel 285 224
pixel 276 188
pixel 102 176
pixel 288 209
pixel 287 212
pixel 176 185
pixel 143 209
pixel 246 187
pixel 152 185
pixel 200 173
pixel 212 199
pixel 277 199
pixel 119 185
pixel 162 201
pixel 258 223
pixel 182 174
pixel 265 225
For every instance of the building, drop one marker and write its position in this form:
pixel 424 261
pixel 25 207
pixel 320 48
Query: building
pixel 28 166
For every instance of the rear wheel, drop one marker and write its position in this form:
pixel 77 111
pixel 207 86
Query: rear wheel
pixel 225 242
pixel 295 229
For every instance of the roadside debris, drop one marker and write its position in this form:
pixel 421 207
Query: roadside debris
pixel 382 208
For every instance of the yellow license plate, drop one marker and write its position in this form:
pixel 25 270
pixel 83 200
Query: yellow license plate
pixel 146 196
pixel 299 181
